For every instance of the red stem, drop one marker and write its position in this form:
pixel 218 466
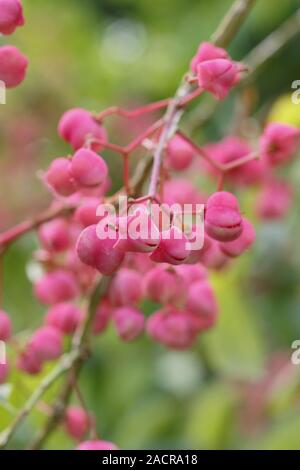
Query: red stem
pixel 139 139
pixel 16 232
pixel 224 168
pixel 131 114
pixel 126 172
pixel 129 148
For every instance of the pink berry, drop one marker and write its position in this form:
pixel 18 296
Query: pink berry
pixel 84 274
pixel 213 257
pixel 88 168
pixel 125 288
pixel 139 262
pixel 86 214
pixel 59 177
pixel 57 286
pixel 77 125
pixel 279 142
pixel 5 326
pixel 181 191
pixel 196 237
pixel 11 16
pixel 97 191
pixel 129 322
pixel 274 200
pixel 174 247
pixel 98 253
pixel 207 51
pixel 218 76
pixel 191 274
pixel 4 371
pixel 76 422
pixel 65 317
pixel 223 220
pixel 97 445
pixel 54 235
pixel 164 285
pixel 201 302
pixel 179 154
pixel 137 232
pixel 102 317
pixel 173 328
pixel 241 244
pixel 46 343
pixel 13 66
pixel 29 361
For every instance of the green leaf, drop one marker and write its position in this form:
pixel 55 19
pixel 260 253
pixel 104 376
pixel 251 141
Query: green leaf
pixel 210 419
pixel 235 346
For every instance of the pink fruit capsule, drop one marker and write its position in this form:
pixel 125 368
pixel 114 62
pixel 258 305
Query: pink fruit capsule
pixel 173 328
pixel 241 244
pixel 65 316
pixel 11 16
pixel 88 168
pixel 129 322
pixel 191 273
pixel 98 253
pixel 46 343
pixel 86 214
pixel 5 326
pixel 179 154
pixel 137 232
pixel 59 177
pixel 223 221
pixel 279 142
pixel 165 286
pixel 57 286
pixel 76 422
pixel 77 126
pixel 125 288
pixel 207 51
pixel 274 200
pixel 54 235
pixel 218 76
pixel 97 445
pixel 201 302
pixel 29 361
pixel 174 247
pixel 13 66
pixel 181 191
pixel 212 256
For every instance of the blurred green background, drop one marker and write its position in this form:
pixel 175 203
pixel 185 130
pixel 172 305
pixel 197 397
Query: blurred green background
pixel 237 388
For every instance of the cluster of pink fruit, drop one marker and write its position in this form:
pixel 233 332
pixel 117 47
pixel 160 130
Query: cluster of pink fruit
pixel 13 64
pixel 174 275
pixel 162 268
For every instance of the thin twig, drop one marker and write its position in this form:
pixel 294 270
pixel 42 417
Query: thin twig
pixel 272 44
pixel 71 361
pixel 222 37
pixel 14 233
pixel 232 22
pixel 256 58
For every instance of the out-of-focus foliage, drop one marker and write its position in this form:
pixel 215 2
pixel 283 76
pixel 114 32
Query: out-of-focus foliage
pixel 94 53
